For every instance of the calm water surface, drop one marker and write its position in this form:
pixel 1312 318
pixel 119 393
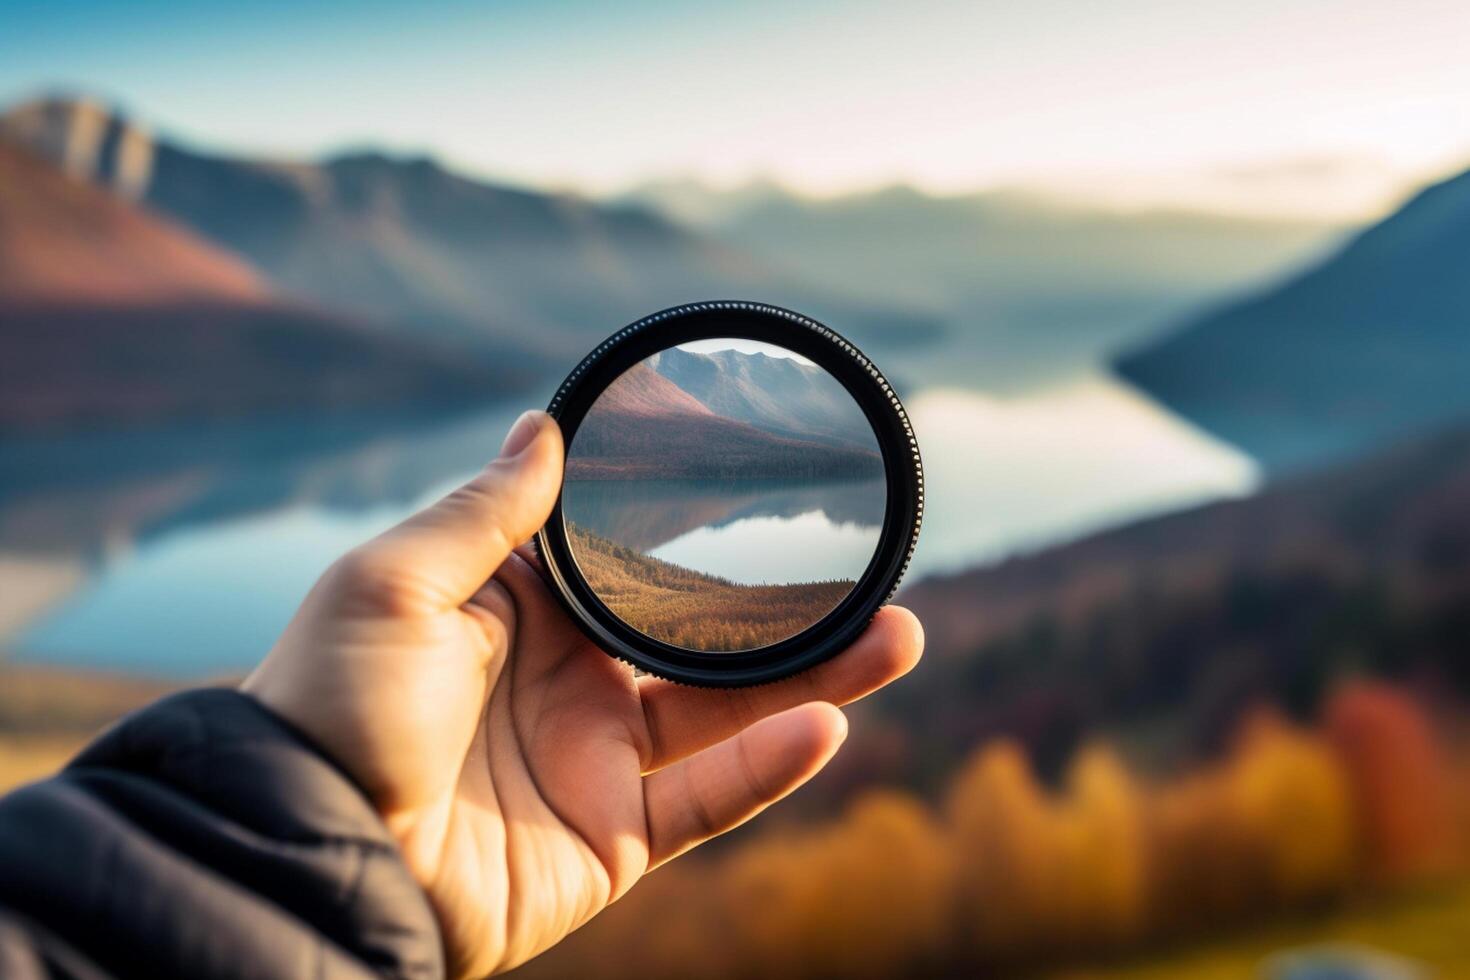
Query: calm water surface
pixel 752 532
pixel 185 554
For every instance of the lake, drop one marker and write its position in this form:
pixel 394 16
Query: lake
pixel 184 553
pixel 753 532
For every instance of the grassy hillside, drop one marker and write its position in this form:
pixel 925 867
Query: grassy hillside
pixel 689 609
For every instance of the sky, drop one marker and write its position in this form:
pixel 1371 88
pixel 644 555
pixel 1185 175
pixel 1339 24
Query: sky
pixel 1313 104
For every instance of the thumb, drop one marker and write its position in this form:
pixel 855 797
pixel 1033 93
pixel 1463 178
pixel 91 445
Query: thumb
pixel 448 550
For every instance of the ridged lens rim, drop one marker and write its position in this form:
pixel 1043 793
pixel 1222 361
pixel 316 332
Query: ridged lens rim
pixel 902 517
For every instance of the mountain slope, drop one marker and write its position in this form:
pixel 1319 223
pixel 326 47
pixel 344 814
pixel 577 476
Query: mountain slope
pixel 778 394
pixel 1162 632
pixel 427 251
pixel 60 241
pixel 113 317
pixel 645 427
pixel 1370 346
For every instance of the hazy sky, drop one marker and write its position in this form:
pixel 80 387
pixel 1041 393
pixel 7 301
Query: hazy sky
pixel 1203 97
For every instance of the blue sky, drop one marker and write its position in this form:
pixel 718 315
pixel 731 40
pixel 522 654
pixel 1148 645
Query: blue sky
pixel 1119 97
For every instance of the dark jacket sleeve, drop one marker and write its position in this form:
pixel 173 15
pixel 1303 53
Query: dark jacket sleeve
pixel 203 837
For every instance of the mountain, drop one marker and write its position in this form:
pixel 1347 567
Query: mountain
pixel 643 426
pixel 62 242
pixel 1032 287
pixel 1370 346
pixel 403 241
pixel 642 393
pixel 778 394
pixel 113 317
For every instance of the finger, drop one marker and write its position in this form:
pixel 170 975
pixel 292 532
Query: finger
pixel 447 551
pixel 724 786
pixel 680 721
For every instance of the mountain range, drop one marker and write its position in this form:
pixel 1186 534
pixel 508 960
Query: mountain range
pixel 115 317
pixel 1031 286
pixel 782 395
pixel 1368 347
pixel 518 275
pixel 644 426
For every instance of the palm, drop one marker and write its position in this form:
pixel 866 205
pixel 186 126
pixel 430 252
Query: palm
pixel 548 806
pixel 528 778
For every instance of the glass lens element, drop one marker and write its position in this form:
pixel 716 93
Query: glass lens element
pixel 723 495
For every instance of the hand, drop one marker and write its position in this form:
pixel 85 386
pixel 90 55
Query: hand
pixel 529 778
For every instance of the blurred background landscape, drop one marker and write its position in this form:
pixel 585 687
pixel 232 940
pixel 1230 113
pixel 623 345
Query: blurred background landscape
pixel 1178 297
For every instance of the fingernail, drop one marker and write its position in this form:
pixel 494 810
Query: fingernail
pixel 521 434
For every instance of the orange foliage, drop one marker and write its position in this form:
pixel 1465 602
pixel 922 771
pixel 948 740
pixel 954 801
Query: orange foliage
pixel 861 898
pixel 1401 782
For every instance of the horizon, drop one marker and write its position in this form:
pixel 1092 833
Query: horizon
pixel 1216 108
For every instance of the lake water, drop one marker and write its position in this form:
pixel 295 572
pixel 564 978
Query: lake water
pixel 751 532
pixel 185 553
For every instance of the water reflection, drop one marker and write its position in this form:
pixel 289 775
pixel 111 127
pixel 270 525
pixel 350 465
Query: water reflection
pixel 756 532
pixel 184 553
pixel 649 513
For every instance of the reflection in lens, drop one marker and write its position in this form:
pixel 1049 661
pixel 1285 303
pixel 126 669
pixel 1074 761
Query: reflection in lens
pixel 723 495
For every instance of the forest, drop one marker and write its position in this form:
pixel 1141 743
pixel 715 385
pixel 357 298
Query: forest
pixel 1002 873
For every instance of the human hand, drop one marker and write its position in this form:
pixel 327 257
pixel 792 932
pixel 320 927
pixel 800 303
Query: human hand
pixel 529 778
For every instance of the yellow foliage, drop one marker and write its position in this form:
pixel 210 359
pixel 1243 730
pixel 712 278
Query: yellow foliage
pixel 1106 887
pixel 1011 873
pixel 860 898
pixel 1292 795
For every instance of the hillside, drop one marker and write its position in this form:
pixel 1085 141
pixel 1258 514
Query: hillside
pixel 1371 346
pixel 696 611
pixel 1162 632
pixel 644 426
pixel 61 242
pixel 427 251
pixel 114 318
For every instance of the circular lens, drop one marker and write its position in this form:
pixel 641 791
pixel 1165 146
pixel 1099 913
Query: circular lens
pixel 723 495
pixel 742 492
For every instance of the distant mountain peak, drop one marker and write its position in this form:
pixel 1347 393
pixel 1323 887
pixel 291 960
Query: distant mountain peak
pixel 371 157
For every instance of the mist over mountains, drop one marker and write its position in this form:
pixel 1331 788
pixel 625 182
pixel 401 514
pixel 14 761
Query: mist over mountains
pixel 324 275
pixel 1033 288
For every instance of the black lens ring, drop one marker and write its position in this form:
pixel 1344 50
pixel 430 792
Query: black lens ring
pixel 903 509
